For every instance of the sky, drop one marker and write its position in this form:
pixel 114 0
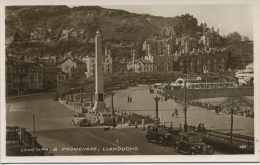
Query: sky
pixel 227 17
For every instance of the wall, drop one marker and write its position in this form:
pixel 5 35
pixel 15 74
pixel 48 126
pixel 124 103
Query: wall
pixel 207 93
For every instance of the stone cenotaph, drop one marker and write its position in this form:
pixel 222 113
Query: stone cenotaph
pixel 99 105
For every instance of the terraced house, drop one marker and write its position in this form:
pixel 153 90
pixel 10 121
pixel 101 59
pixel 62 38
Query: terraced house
pixel 73 67
pixel 35 77
pixel 204 61
pixel 49 72
pixel 90 65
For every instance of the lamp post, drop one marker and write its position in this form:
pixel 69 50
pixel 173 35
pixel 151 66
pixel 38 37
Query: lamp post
pixel 156 106
pixel 112 102
pixel 91 99
pixel 232 112
pixel 185 103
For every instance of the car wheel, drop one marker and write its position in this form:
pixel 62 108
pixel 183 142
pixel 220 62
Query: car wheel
pixel 177 149
pixel 210 151
pixel 192 152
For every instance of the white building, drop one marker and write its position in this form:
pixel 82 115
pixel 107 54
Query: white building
pixel 90 65
pixel 245 76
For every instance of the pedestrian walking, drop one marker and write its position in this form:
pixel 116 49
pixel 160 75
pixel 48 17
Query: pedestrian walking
pixel 131 99
pixel 216 110
pixel 128 99
pixel 199 127
pixel 165 98
pixel 176 112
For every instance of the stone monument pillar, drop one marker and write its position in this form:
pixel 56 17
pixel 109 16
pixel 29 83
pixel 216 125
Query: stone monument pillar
pixel 99 95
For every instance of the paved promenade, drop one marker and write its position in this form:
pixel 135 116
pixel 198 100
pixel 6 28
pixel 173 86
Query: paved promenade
pixel 143 103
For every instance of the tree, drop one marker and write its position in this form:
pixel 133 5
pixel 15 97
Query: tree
pixel 234 37
pixel 246 38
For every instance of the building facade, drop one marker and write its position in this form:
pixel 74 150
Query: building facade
pixel 90 65
pixel 204 62
pixel 20 83
pixel 154 46
pixel 141 66
pixel 49 73
pixel 210 37
pixel 122 51
pixel 35 78
pixel 73 67
pixel 9 77
pixel 119 67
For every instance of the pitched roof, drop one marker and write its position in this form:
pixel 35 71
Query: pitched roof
pixel 144 61
pixel 77 61
pixel 251 64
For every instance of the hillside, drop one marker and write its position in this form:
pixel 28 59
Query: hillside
pixel 115 25
pixel 118 24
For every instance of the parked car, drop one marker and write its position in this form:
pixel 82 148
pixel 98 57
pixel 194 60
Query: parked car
pixel 160 134
pixel 192 143
pixel 80 119
pixel 105 118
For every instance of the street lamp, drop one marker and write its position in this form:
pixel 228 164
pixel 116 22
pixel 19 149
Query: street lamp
pixel 231 131
pixel 185 104
pixel 91 100
pixel 112 102
pixel 156 105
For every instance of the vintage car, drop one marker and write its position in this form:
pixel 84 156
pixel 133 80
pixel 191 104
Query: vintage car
pixel 192 143
pixel 105 118
pixel 160 134
pixel 80 119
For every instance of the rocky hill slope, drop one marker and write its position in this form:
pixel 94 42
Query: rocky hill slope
pixel 116 24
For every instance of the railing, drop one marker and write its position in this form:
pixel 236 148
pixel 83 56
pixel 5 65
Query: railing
pixel 249 140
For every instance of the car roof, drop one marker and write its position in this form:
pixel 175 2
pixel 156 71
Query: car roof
pixel 159 126
pixel 188 134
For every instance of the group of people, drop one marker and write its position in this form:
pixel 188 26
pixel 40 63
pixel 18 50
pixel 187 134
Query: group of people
pixel 217 109
pixel 175 113
pixel 201 128
pixel 129 99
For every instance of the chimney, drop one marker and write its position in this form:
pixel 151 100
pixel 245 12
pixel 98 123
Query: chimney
pixel 218 31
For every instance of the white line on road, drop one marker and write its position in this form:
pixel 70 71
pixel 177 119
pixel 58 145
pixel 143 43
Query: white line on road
pixel 107 141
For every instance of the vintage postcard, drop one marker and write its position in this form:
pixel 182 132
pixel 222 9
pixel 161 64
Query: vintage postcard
pixel 113 81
